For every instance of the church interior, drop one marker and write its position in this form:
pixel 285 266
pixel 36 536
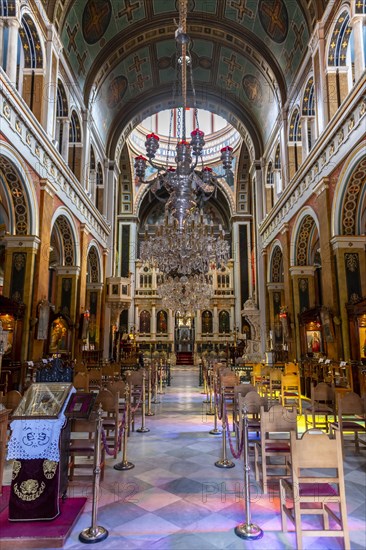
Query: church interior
pixel 182 225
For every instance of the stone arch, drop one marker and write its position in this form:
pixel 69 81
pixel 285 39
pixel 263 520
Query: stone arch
pixel 350 196
pixel 276 265
pixel 339 40
pixel 303 234
pixel 66 232
pixel 31 42
pixel 17 194
pixel 94 265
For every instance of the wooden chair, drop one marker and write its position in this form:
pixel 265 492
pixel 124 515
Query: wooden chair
pixel 263 384
pixel 291 391
pixel 256 376
pixel 95 379
pixel 81 381
pixel 272 452
pixel 316 487
pixel 11 400
pixel 291 368
pixel 253 402
pixel 82 446
pixel 322 406
pixel 351 415
pixel 275 377
pixel 111 417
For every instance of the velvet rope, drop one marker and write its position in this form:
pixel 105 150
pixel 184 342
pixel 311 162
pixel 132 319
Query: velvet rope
pixel 217 403
pixel 119 439
pixel 236 454
pixel 138 403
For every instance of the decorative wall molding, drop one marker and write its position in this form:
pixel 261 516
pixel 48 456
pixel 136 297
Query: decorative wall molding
pixel 19 126
pixel 342 133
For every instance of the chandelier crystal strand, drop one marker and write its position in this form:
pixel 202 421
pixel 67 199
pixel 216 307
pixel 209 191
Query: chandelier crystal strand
pixel 186 294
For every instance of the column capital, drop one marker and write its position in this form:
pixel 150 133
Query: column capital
pixel 284 229
pixel 22 241
pixel 321 186
pixel 52 36
pixel 12 22
pixel 275 287
pixel 72 270
pixel 47 186
pixel 357 242
pixel 84 228
pixel 95 286
pixel 298 270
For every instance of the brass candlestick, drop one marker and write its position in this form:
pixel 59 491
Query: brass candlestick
pixel 224 462
pixel 125 465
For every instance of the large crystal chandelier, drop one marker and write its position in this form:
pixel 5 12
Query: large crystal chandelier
pixel 190 183
pixel 184 248
pixel 186 294
pixel 194 249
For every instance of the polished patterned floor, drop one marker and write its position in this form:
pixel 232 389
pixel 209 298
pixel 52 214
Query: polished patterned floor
pixel 175 497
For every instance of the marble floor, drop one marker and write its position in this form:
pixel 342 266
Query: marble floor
pixel 175 497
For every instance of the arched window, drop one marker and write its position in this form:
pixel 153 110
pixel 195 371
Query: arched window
pixel 75 145
pixel 145 322
pixel 30 80
pixel 62 112
pixel 277 171
pixel 295 147
pixel 207 322
pixel 161 322
pixel 269 189
pixel 99 202
pixel 308 113
pixel 337 54
pixel 224 322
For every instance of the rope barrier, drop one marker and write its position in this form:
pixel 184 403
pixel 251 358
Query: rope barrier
pixel 119 439
pixel 236 454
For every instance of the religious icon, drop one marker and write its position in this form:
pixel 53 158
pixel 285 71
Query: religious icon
pixel 42 400
pixel 314 341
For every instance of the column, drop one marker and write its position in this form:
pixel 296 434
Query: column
pixel 198 324
pixel 171 326
pixel 317 47
pixel 1 42
pixel 274 288
pixel 85 155
pixel 288 296
pixel 49 93
pixel 357 23
pixel 69 275
pixel 283 149
pixel 343 245
pixel 81 298
pixel 98 288
pixel 105 312
pixel 136 320
pixel 261 256
pixel 233 320
pixel 323 206
pixel 215 322
pixel 11 58
pixel 22 250
pixel 153 322
pixel 65 139
pixel 301 273
pixel 41 278
pixel 236 272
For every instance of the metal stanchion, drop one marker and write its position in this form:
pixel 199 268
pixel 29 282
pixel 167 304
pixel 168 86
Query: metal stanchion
pixel 156 400
pixel 149 390
pixel 211 410
pixel 143 428
pixel 224 462
pixel 125 465
pixel 215 430
pixel 95 533
pixel 161 378
pixel 247 530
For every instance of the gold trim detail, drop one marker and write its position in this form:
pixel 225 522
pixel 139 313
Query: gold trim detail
pixel 49 468
pixel 16 469
pixel 29 490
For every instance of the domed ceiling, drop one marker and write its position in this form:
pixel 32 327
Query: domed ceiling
pixel 245 56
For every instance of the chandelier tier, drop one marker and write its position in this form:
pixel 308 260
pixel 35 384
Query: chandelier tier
pixel 186 294
pixel 193 250
pixel 189 184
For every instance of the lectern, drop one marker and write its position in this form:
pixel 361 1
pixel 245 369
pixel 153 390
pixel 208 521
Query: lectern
pixel 38 425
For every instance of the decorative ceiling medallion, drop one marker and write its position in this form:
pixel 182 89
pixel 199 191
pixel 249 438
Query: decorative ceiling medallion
pixel 274 18
pixel 96 17
pixel 116 90
pixel 252 88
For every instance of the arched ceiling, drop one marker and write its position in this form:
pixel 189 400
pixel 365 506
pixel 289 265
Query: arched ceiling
pixel 245 54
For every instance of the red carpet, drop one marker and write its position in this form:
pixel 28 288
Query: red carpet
pixel 184 358
pixel 38 534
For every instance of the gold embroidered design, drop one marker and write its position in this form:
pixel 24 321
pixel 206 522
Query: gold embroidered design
pixel 49 468
pixel 29 490
pixel 16 469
